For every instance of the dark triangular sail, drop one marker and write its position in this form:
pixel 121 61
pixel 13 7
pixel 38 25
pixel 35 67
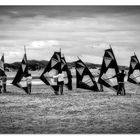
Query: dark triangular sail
pixel 52 69
pixel 84 78
pixel 134 70
pixel 67 73
pixel 109 69
pixel 21 74
pixel 2 66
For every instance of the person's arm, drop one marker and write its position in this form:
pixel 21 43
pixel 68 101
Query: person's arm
pixel 112 77
pixel 30 78
pixel 115 75
pixel 24 79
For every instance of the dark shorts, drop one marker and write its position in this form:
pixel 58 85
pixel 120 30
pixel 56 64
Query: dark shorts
pixel 61 83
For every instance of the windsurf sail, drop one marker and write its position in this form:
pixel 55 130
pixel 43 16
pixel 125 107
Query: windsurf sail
pixel 2 67
pixel 19 80
pixel 109 68
pixel 134 70
pixel 52 69
pixel 67 73
pixel 84 78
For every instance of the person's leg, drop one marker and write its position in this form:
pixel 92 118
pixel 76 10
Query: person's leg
pixel 4 88
pixel 61 88
pixel 101 88
pixel 124 91
pixel 0 89
pixel 121 90
pixel 57 90
pixel 29 89
pixel 118 91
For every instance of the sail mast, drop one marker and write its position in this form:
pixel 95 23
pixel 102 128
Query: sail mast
pixel 24 49
pixel 78 57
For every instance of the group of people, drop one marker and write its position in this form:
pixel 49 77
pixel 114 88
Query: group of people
pixel 120 76
pixel 3 80
pixel 60 80
pixel 27 80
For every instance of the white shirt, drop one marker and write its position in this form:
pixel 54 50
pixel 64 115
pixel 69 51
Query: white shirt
pixel 29 79
pixel 60 77
pixel 26 80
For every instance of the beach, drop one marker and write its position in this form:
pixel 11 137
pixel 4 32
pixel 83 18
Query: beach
pixel 76 112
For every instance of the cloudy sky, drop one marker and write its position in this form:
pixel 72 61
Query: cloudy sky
pixel 84 31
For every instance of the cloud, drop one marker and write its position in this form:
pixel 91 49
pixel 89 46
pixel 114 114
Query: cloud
pixel 98 45
pixel 43 44
pixel 78 31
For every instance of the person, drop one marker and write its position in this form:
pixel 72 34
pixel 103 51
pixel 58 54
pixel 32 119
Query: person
pixel 120 76
pixel 4 79
pixel 29 83
pixel 60 78
pixel 101 88
pixel 0 84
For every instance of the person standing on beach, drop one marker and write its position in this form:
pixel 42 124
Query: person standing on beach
pixel 101 88
pixel 121 88
pixel 60 77
pixel 29 83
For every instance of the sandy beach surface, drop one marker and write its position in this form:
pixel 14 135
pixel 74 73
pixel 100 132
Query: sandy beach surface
pixel 76 112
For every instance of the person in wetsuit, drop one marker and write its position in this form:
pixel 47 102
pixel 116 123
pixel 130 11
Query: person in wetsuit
pixel 120 76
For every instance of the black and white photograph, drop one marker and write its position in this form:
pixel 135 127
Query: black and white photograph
pixel 69 69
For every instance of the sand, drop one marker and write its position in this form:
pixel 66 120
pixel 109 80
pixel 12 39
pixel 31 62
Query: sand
pixel 76 112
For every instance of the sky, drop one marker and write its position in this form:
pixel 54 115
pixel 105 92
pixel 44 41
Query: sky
pixel 84 31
